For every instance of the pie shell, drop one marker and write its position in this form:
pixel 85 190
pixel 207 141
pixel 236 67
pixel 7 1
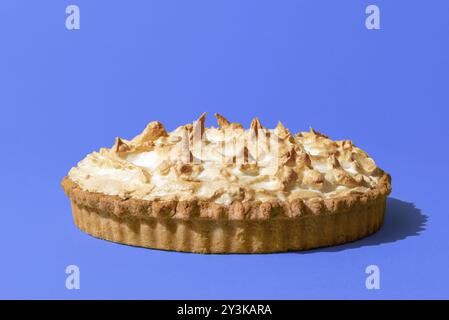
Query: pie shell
pixel 242 227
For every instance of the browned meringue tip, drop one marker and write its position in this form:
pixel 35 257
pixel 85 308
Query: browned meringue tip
pixel 280 125
pixel 316 133
pixel 153 131
pixel 222 121
pixel 202 118
pixel 256 125
pixel 198 126
pixel 120 145
pixel 282 131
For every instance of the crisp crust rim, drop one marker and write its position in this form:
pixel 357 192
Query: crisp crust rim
pixel 238 210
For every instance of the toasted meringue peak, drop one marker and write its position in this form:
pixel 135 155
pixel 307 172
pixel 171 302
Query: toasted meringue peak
pixel 194 162
pixel 198 127
pixel 120 146
pixel 222 121
pixel 256 126
pixel 280 127
pixel 316 133
pixel 282 131
pixel 202 119
pixel 152 132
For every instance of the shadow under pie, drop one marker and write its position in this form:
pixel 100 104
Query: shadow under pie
pixel 402 220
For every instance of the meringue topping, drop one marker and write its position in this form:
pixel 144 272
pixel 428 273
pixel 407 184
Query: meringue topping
pixel 227 163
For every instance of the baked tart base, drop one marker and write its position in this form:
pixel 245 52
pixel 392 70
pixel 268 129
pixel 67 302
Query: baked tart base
pixel 242 227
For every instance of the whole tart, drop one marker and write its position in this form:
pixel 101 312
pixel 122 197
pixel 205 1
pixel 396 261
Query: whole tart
pixel 228 189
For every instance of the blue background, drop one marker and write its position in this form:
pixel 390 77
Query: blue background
pixel 66 93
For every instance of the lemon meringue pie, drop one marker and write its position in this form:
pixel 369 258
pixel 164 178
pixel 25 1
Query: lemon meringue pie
pixel 228 189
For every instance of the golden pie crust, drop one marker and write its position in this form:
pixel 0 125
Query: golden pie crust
pixel 160 191
pixel 251 227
